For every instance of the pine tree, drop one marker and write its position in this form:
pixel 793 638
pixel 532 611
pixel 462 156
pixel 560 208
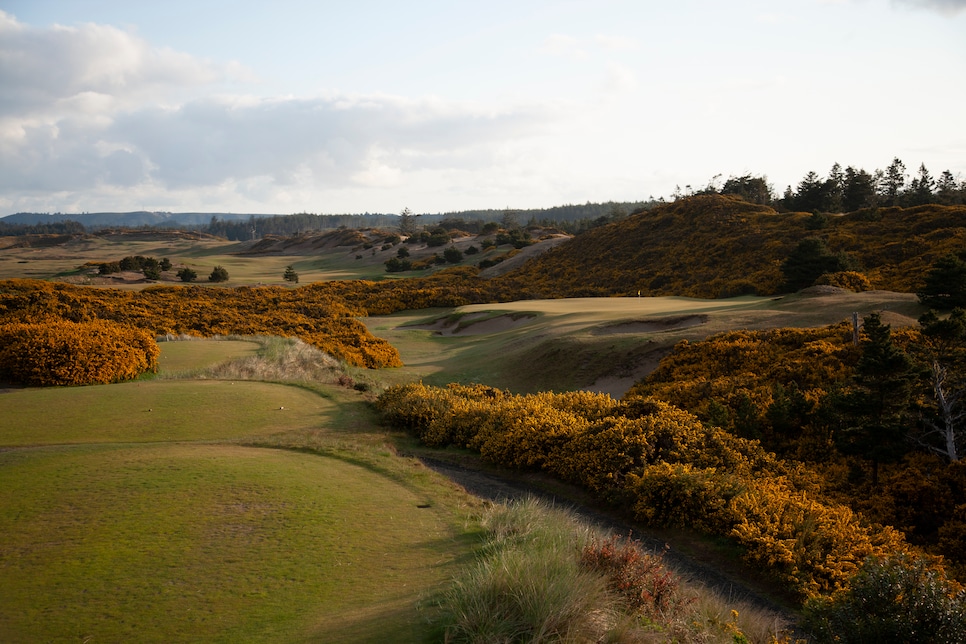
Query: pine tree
pixel 876 410
pixel 945 287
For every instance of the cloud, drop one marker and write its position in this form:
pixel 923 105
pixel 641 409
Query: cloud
pixel 947 7
pixel 563 46
pixel 332 140
pixel 43 70
pixel 94 108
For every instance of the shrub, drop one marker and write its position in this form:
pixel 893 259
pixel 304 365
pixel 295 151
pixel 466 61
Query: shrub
pixel 849 280
pixel 397 265
pixel 891 600
pixel 635 575
pixel 453 255
pixel 218 274
pixel 59 352
pixel 187 275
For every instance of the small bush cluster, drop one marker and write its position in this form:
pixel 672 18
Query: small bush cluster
pixel 60 352
pixel 639 577
pixel 891 600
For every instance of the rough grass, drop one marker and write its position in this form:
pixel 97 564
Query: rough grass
pixel 528 586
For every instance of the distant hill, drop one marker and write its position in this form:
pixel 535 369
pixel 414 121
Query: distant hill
pixel 713 246
pixel 92 220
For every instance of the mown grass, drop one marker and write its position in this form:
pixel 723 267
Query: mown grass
pixel 203 533
pixel 208 543
pixel 179 357
pixel 157 410
pixel 571 343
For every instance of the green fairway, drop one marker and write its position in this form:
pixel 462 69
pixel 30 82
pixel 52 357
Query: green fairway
pixel 156 410
pixel 181 356
pixel 599 344
pixel 214 543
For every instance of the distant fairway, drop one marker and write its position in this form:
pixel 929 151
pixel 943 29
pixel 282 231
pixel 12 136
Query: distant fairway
pixel 599 344
pixel 213 543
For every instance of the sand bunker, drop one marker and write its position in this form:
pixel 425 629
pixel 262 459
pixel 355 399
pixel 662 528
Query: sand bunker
pixel 655 325
pixel 476 324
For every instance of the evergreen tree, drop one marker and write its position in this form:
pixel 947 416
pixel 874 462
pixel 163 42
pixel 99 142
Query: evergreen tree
pixel 893 181
pixel 858 190
pixel 921 188
pixel 407 222
pixel 945 286
pixel 834 189
pixel 947 191
pixel 876 409
pixel 290 275
pixel 811 259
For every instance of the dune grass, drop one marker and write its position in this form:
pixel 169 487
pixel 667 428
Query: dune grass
pixel 215 543
pixel 530 583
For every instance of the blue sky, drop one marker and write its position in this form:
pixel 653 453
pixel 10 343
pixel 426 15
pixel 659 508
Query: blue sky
pixel 372 106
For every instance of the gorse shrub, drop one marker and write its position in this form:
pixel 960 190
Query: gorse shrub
pixel 664 465
pixel 320 316
pixel 60 352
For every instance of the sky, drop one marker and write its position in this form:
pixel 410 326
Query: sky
pixel 329 107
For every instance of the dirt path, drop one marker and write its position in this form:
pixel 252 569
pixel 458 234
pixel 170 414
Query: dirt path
pixel 492 487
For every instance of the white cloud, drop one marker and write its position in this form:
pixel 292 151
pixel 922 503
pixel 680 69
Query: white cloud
pixel 94 108
pixel 616 43
pixel 563 46
pixel 948 7
pixel 43 71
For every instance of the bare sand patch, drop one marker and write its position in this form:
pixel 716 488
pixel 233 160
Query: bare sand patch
pixel 618 384
pixel 476 323
pixel 653 325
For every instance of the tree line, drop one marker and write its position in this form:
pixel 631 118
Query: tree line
pixel 847 190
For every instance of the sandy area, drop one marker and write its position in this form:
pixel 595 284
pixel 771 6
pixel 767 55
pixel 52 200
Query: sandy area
pixel 475 324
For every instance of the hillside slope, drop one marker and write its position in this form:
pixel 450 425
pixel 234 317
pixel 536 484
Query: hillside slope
pixel 713 246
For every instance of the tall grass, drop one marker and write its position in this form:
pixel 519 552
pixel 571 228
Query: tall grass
pixel 277 360
pixel 529 585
